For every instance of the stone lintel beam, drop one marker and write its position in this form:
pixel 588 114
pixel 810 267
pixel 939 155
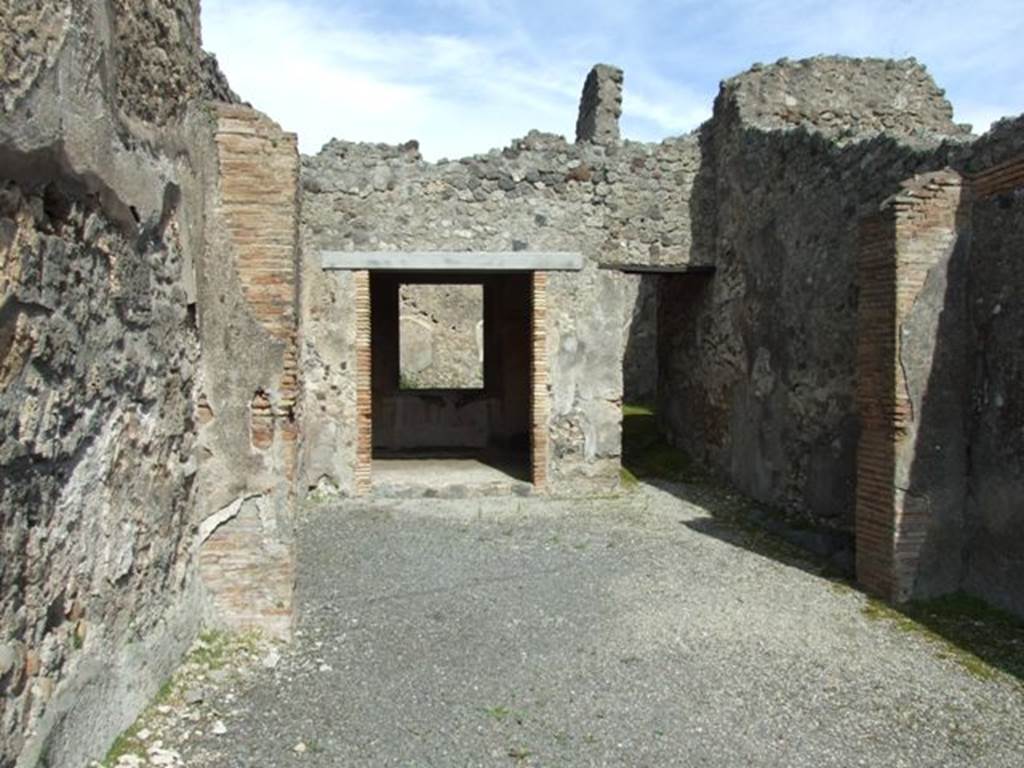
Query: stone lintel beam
pixel 453 261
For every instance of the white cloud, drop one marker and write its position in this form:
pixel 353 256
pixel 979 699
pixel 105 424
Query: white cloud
pixel 464 76
pixel 455 95
pixel 340 77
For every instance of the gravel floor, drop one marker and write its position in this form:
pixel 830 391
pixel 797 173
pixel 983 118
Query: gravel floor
pixel 508 632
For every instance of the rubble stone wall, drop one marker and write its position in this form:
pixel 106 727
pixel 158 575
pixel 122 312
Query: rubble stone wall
pixel 843 98
pixel 938 374
pixel 993 533
pixel 616 204
pixel 911 385
pixel 441 336
pixel 758 379
pixel 103 150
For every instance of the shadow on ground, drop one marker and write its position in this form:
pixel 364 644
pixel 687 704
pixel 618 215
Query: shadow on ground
pixel 981 638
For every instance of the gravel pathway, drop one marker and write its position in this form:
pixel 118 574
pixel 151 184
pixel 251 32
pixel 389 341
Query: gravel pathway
pixel 528 632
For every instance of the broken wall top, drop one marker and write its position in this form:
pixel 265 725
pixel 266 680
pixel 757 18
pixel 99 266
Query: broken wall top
pixel 841 97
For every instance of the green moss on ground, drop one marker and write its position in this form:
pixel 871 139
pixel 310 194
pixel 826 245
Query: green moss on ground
pixel 647 455
pixel 983 640
pixel 213 650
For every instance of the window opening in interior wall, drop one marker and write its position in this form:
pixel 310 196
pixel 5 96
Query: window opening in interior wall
pixel 441 336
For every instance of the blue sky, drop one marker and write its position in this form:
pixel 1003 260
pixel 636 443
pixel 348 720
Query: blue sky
pixel 463 76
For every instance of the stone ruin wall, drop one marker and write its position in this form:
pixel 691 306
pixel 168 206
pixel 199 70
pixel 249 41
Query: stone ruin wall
pixel 757 366
pixel 957 455
pixel 98 351
pixel 113 242
pixel 993 545
pixel 150 355
pixel 910 382
pixel 441 336
pixel 941 441
pixel 620 203
pixel 247 393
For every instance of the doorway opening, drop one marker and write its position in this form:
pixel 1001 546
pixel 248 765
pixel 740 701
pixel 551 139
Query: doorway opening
pixel 450 382
pixel 658 355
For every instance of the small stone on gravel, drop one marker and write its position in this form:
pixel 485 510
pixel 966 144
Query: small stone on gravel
pixel 271 660
pixel 193 696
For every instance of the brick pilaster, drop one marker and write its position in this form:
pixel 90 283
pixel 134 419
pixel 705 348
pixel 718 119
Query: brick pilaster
pixel 914 233
pixel 364 392
pixel 259 182
pixel 539 398
pixel 999 180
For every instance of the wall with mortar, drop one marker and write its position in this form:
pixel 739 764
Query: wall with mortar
pixel 939 371
pixel 615 203
pixel 757 373
pixel 248 382
pixel 911 380
pixel 101 222
pixel 441 337
pixel 993 533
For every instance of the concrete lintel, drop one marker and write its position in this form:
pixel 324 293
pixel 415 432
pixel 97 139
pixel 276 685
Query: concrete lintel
pixel 454 261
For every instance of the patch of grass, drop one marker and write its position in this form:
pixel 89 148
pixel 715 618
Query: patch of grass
pixel 646 454
pixel 981 639
pixel 320 495
pixel 519 753
pixel 632 409
pixel 128 743
pixel 213 650
pixel 125 744
pixel 627 479
pixel 501 714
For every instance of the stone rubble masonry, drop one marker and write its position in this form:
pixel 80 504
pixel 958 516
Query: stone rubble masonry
pixel 939 378
pixel 31 36
pixel 1004 179
pixel 627 203
pixel 908 244
pixel 993 534
pixel 757 381
pixel 103 162
pixel 441 336
pixel 843 98
pixel 156 268
pixel 600 106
